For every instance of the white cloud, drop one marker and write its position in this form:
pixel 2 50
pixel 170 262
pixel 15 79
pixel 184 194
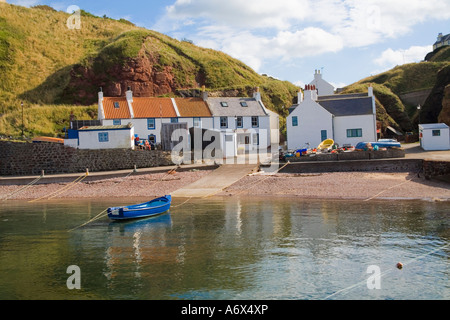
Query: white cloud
pixel 253 49
pixel 390 58
pixel 24 3
pixel 249 14
pixel 255 31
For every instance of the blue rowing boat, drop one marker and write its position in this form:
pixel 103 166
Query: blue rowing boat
pixel 143 210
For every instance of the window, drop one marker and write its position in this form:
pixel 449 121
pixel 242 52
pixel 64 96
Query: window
pixel 151 124
pixel 324 135
pixel 116 105
pixel 295 121
pixel 117 122
pixel 152 139
pixel 239 122
pixel 103 137
pixel 197 122
pixel 256 139
pixel 436 133
pixel 244 104
pixel 223 122
pixel 354 133
pixel 224 104
pixel 173 120
pixel 255 122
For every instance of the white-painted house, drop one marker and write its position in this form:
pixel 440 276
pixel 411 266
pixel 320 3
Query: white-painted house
pixel 147 114
pixel 323 87
pixel 347 119
pixel 244 123
pixel 247 125
pixel 106 137
pixel 434 136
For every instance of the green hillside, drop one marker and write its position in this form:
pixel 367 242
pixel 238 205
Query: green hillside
pixel 391 86
pixel 55 70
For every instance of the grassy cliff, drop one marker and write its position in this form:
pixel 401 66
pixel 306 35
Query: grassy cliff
pixel 55 70
pixel 391 86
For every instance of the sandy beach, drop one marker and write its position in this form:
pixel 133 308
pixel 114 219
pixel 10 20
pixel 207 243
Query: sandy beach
pixel 354 186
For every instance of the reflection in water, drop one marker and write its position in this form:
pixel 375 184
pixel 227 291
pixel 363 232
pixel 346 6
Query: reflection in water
pixel 228 248
pixel 133 235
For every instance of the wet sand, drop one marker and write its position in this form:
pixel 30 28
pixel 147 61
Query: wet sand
pixel 350 185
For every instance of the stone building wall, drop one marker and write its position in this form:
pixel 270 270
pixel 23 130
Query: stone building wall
pixel 18 159
pixel 436 169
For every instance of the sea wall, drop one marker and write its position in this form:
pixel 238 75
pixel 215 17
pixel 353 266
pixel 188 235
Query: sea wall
pixel 19 159
pixel 433 169
pixel 389 165
pixel 356 155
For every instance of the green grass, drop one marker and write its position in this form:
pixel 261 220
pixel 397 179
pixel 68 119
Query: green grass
pixel 38 56
pixel 390 85
pixel 47 120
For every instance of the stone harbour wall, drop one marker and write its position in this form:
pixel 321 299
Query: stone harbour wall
pixel 387 165
pixel 436 169
pixel 356 155
pixel 20 159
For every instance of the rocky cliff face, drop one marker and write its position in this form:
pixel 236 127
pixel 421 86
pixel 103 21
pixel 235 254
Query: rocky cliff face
pixel 444 116
pixel 435 108
pixel 143 74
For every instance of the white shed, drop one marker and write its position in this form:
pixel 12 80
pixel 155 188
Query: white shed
pixel 106 137
pixel 434 136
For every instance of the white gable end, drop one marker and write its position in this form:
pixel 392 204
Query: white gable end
pixel 307 124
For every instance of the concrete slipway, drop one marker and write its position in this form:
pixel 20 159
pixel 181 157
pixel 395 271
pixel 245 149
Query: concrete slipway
pixel 216 181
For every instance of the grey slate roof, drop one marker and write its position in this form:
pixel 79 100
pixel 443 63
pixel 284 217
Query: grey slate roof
pixel 443 39
pixel 434 126
pixel 348 106
pixel 235 108
pixel 342 96
pixel 99 128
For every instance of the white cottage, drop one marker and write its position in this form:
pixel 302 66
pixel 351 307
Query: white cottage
pixel 106 137
pixel 148 114
pixel 323 87
pixel 347 119
pixel 247 125
pixel 434 136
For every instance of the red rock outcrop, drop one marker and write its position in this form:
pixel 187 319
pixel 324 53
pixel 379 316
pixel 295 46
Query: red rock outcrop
pixel 144 75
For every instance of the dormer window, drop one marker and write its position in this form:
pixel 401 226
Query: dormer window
pixel 224 104
pixel 244 104
pixel 116 105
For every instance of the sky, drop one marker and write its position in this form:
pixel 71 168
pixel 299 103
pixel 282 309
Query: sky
pixel 347 40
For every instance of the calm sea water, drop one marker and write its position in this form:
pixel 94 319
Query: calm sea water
pixel 227 249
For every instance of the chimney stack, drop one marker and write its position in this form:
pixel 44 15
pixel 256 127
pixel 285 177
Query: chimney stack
pixel 101 111
pixel 204 93
pixel 257 95
pixel 300 96
pixel 129 96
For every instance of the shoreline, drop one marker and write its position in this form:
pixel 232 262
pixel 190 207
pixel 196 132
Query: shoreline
pixel 360 186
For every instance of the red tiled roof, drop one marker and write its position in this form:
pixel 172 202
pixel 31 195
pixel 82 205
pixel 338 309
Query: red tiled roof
pixel 111 112
pixel 153 108
pixel 192 107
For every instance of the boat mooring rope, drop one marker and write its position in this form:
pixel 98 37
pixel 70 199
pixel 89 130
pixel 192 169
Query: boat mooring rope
pixel 398 185
pixel 63 189
pixel 97 217
pixel 32 183
pixel 179 205
pixel 251 185
pixel 104 212
pixel 346 290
